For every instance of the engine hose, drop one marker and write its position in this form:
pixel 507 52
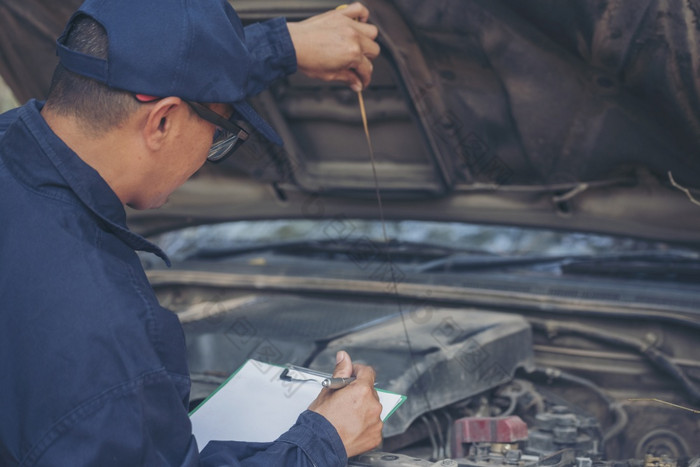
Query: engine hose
pixel 653 354
pixel 621 420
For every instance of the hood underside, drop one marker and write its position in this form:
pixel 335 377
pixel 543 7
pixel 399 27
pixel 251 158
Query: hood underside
pixel 573 115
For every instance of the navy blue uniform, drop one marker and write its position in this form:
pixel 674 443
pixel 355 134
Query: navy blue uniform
pixel 93 370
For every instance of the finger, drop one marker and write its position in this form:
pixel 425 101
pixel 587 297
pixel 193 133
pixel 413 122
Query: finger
pixel 350 78
pixel 364 71
pixel 343 365
pixel 364 373
pixel 355 11
pixel 369 47
pixel 369 31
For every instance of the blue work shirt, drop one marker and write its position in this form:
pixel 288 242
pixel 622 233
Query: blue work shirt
pixel 93 369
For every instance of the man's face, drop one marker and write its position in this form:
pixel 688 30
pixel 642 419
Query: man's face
pixel 186 152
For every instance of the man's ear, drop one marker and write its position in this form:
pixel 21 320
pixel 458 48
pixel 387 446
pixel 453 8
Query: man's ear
pixel 160 121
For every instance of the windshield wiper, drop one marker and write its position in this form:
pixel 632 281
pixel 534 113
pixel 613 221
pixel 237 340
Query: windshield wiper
pixel 667 265
pixel 356 247
pixel 660 267
pixel 676 265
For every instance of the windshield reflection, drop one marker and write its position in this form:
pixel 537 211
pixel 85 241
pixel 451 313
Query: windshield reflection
pixel 490 239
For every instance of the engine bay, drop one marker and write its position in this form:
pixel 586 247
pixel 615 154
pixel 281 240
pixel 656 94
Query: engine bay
pixel 484 387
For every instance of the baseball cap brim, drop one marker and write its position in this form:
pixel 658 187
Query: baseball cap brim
pixel 252 117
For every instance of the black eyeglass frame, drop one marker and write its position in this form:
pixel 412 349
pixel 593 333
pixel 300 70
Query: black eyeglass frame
pixel 238 134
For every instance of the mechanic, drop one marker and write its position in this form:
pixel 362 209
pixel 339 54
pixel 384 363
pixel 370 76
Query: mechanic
pixel 93 370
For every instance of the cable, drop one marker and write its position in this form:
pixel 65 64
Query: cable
pixel 448 433
pixel 441 439
pixel 615 408
pixel 511 405
pixel 433 442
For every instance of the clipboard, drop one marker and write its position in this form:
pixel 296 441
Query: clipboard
pixel 255 404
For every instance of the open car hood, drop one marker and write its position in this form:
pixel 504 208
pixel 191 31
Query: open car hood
pixel 580 115
pixel 577 115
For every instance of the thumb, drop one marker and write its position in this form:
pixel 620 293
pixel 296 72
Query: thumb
pixel 343 365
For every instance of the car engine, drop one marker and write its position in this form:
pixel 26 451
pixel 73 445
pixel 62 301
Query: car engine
pixel 485 388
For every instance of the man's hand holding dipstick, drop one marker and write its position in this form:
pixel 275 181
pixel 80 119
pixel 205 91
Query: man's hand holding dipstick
pixel 346 50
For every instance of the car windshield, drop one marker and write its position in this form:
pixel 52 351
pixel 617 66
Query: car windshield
pixel 486 239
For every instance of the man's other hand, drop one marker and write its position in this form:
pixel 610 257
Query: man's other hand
pixel 337 45
pixel 353 410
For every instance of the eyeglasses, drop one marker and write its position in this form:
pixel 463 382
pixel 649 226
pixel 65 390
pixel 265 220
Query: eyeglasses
pixel 227 137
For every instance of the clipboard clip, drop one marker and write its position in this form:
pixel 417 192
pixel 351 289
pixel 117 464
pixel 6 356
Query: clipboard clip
pixel 301 374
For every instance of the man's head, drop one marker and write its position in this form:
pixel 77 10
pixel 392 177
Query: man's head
pixel 97 106
pixel 122 63
pixel 143 147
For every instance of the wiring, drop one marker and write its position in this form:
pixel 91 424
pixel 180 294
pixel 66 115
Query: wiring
pixel 615 408
pixel 683 189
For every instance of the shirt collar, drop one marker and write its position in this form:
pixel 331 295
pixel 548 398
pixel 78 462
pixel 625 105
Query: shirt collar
pixel 84 181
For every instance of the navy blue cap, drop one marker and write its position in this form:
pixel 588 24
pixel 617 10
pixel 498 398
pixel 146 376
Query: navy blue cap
pixel 192 49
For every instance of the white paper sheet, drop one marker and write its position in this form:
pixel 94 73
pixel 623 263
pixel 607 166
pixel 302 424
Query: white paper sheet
pixel 255 404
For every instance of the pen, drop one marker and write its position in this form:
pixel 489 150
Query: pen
pixel 337 383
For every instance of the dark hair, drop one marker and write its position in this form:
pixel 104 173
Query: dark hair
pixel 97 105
